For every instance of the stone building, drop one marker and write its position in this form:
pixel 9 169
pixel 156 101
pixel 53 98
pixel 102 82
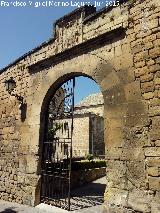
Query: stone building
pixel 118 47
pixel 88 137
pixel 88 134
pixel 89 116
pixel 93 103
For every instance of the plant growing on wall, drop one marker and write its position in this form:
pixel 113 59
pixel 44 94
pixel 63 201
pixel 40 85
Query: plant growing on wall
pixel 90 157
pixel 52 131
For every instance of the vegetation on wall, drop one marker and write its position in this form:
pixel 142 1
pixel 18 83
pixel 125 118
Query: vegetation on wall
pixel 85 164
pixel 52 131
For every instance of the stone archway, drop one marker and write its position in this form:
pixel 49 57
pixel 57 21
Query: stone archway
pixel 113 89
pixel 123 108
pixel 48 166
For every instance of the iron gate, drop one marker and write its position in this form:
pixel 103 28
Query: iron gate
pixel 57 148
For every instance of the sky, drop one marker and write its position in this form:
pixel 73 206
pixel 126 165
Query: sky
pixel 83 87
pixel 22 28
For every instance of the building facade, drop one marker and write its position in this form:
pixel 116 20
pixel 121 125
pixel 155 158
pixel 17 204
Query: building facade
pixel 89 116
pixel 88 127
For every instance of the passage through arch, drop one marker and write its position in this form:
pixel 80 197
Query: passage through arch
pixel 73 133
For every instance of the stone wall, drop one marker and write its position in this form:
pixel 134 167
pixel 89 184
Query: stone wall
pixel 97 146
pixel 123 45
pixel 86 176
pixel 97 110
pixel 88 134
pixel 81 140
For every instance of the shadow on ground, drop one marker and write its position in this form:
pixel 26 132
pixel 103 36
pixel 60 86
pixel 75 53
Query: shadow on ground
pixel 8 210
pixel 88 195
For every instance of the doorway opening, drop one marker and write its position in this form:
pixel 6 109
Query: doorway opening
pixel 73 164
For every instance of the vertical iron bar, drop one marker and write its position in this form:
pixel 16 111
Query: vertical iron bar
pixel 69 190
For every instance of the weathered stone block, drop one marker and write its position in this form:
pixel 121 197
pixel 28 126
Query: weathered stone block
pixel 132 91
pixel 157 81
pixel 152 151
pixel 157 143
pixel 116 196
pixel 113 153
pixel 146 77
pixel 154 68
pixel 155 102
pixel 154 53
pixel 153 111
pixel 138 57
pixel 31 164
pixel 132 154
pixel 150 38
pixel 148 95
pixel 158 60
pixel 154 183
pixel 147 86
pixel 31 180
pixel 139 200
pixel 155 134
pixel 153 23
pixel 153 171
pixel 150 62
pixel 141 71
pixel 136 173
pixel 22 164
pixel 149 45
pixel 140 64
pixel 116 171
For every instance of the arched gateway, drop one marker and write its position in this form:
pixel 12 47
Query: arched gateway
pixel 113 48
pixel 65 142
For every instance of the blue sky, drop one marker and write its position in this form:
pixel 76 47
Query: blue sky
pixel 84 87
pixel 23 28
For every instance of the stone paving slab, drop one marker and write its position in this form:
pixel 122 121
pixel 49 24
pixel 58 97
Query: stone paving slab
pixel 53 209
pixel 8 207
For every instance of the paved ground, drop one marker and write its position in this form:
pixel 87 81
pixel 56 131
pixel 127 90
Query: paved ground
pixel 87 199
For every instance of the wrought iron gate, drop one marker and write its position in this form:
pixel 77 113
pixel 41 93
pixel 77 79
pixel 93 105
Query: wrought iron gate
pixel 57 148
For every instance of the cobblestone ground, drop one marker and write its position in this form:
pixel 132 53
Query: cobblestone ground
pixel 87 199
